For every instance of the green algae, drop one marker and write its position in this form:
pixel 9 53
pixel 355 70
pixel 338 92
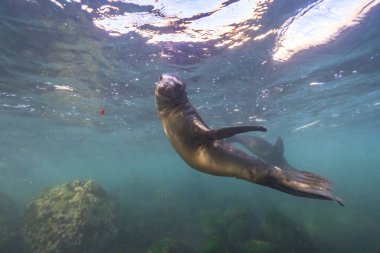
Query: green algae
pixel 168 245
pixel 257 246
pixel 230 230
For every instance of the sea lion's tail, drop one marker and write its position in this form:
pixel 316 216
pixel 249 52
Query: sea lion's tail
pixel 303 184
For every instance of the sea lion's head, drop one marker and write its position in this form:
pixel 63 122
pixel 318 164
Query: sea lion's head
pixel 170 90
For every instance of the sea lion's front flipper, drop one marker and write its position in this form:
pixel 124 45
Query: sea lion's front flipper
pixel 301 183
pixel 222 133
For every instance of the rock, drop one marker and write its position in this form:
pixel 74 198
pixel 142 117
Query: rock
pixel 241 225
pixel 230 231
pixel 285 235
pixel 74 217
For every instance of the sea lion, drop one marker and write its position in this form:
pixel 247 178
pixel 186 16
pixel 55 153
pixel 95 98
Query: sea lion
pixel 204 149
pixel 272 154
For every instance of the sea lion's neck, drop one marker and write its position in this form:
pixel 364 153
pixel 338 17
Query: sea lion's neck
pixel 165 105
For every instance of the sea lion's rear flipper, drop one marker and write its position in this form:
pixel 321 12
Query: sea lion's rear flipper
pixel 302 183
pixel 222 133
pixel 279 146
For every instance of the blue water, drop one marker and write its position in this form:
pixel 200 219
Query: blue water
pixel 309 71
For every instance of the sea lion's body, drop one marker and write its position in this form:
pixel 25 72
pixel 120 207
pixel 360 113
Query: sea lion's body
pixel 272 154
pixel 206 155
pixel 205 150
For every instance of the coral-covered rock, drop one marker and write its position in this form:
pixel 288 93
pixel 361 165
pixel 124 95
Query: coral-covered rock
pixel 74 217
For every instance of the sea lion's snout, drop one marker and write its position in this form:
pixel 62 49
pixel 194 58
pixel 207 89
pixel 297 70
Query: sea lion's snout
pixel 171 76
pixel 171 85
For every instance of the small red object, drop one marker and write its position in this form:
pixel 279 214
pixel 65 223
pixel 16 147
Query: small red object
pixel 102 111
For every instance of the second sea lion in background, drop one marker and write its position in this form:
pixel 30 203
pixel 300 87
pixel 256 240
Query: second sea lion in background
pixel 272 154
